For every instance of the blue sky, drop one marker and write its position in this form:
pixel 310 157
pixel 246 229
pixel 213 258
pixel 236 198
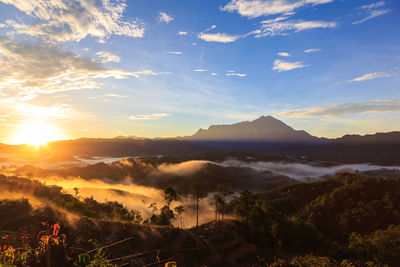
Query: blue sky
pixel 166 68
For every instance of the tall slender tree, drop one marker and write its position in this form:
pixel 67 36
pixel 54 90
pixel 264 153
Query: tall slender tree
pixel 222 192
pixel 198 190
pixel 179 210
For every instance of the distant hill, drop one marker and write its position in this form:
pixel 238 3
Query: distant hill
pixel 124 147
pixel 369 139
pixel 110 147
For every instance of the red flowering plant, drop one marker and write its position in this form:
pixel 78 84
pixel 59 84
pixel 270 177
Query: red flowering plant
pixel 50 238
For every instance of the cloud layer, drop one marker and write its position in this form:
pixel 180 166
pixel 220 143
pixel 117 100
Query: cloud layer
pixel 344 109
pixel 372 11
pixel 257 8
pixel 29 69
pixel 65 20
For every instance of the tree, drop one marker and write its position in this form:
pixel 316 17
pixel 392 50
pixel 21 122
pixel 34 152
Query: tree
pixel 222 192
pixel 76 189
pixel 198 190
pixel 217 202
pixel 170 195
pixel 153 207
pixel 179 210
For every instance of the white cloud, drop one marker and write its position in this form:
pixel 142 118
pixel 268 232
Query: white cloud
pixel 218 37
pixel 116 95
pixel 307 25
pixel 373 14
pixel 270 27
pixel 153 116
pixel 257 8
pixel 280 65
pixel 283 54
pixel 214 74
pixel 372 11
pixel 344 109
pixel 373 5
pixel 212 27
pixel 174 52
pixel 273 27
pixel 107 57
pixel 164 17
pixel 236 74
pixel 312 50
pixel 65 20
pixel 370 76
pixel 182 33
pixel 200 70
pixel 25 73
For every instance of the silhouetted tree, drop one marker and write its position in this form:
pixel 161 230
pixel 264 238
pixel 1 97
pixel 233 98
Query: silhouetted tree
pixel 199 191
pixel 76 189
pixel 170 195
pixel 222 192
pixel 179 210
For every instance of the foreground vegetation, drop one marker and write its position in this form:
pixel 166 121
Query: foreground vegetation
pixel 347 220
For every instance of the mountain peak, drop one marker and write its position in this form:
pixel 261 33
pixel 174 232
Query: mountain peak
pixel 262 129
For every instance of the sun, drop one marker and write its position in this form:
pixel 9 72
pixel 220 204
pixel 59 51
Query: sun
pixel 37 133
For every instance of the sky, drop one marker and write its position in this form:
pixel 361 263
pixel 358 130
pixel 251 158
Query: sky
pixel 163 68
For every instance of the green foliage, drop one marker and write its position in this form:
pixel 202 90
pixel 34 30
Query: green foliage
pixel 98 259
pixel 18 249
pixel 342 217
pixel 381 245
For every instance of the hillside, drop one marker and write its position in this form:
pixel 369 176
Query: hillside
pixel 347 219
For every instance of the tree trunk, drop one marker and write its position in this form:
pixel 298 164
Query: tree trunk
pixel 197 212
pixel 216 213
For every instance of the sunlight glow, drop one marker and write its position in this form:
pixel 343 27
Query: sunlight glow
pixel 37 133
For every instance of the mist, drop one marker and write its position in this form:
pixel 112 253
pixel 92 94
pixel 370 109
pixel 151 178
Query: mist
pixel 136 183
pixel 301 171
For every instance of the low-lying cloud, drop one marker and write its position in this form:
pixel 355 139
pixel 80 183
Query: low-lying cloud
pixel 300 171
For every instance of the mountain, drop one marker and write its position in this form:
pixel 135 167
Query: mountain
pixel 264 129
pixel 109 147
pixel 124 147
pixel 390 138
